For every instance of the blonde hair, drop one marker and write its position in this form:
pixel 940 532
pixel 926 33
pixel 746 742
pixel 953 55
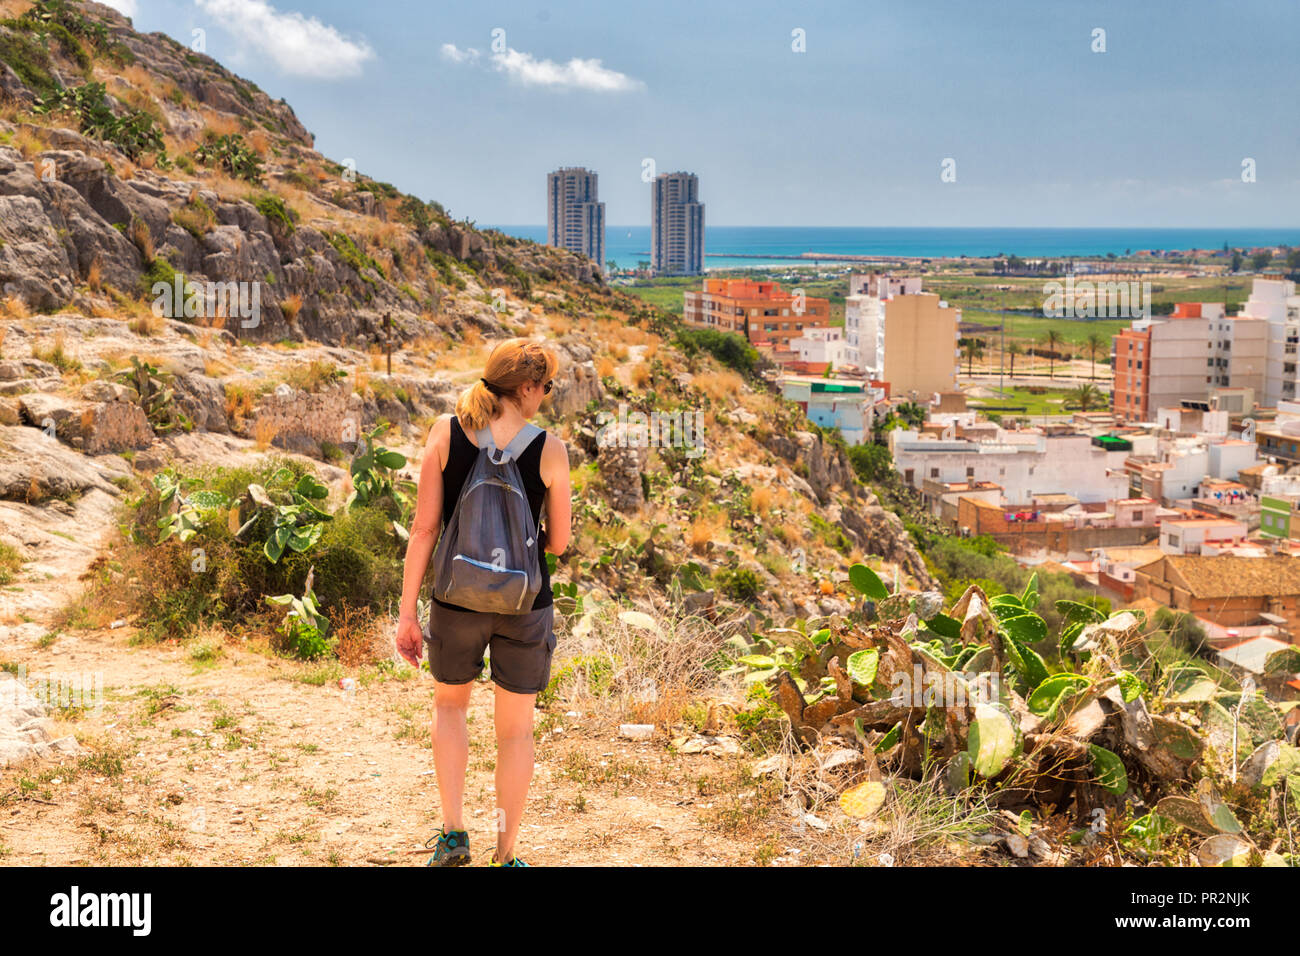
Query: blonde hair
pixel 513 364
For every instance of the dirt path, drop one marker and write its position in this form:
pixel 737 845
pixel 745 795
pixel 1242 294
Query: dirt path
pixel 242 759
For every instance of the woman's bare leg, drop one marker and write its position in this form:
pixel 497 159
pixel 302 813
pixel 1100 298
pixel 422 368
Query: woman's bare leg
pixel 514 725
pixel 451 749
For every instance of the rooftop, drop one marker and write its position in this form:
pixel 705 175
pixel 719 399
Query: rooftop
pixel 1229 575
pixel 1251 654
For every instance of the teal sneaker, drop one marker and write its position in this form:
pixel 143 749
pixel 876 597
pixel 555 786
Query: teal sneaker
pixel 450 848
pixel 514 861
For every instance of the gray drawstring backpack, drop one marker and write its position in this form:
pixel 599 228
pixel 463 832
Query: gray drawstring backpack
pixel 486 558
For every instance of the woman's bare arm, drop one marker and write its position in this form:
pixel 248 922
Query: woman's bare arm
pixel 427 520
pixel 559 505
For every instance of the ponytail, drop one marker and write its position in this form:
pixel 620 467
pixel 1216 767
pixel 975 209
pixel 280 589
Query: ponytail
pixel 512 364
pixel 477 406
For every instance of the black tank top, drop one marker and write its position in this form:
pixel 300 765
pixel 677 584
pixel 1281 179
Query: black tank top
pixel 459 461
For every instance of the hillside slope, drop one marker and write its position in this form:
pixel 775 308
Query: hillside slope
pixel 126 159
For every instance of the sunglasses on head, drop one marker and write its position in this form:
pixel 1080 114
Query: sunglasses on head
pixel 546 389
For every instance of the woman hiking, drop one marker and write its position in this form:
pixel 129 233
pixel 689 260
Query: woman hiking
pixel 493 414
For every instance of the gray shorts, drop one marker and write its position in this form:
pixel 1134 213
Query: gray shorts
pixel 521 646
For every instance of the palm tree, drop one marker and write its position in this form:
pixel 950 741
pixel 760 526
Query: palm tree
pixel 1014 349
pixel 1095 341
pixel 974 350
pixel 1052 339
pixel 1086 396
pixel 912 414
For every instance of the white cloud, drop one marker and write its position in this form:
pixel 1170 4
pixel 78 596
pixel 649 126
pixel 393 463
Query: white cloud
pixel 297 44
pixel 454 54
pixel 128 8
pixel 577 74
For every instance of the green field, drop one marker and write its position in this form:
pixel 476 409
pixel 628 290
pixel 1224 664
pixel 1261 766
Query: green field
pixel 1032 328
pixel 978 297
pixel 1024 401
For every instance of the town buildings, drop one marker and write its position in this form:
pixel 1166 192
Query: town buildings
pixel 676 225
pixel 843 403
pixel 761 311
pixel 575 217
pixel 899 335
pixel 1160 362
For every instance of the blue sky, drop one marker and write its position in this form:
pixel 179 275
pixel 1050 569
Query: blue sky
pixel 851 132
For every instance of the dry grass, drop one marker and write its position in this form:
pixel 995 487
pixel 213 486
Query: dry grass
pixel 762 499
pixel 720 385
pixel 29 142
pixel 95 275
pixel 264 433
pixel 15 307
pixel 193 218
pixel 146 324
pixel 291 307
pixel 220 124
pixel 625 668
pixel 239 402
pixel 640 375
pixel 704 528
pixel 605 367
pixel 12 9
pixel 143 239
pixel 260 142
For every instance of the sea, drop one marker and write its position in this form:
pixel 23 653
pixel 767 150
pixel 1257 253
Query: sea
pixel 730 247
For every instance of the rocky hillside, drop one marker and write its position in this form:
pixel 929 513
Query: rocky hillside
pixel 130 156
pixel 128 160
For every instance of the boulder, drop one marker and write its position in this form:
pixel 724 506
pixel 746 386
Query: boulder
pixel 34 467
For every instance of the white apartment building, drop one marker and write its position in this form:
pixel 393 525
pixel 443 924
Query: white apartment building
pixel 821 345
pixel 1025 463
pixel 864 329
pixel 1276 302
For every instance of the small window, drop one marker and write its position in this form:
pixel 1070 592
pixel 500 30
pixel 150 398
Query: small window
pixel 934 472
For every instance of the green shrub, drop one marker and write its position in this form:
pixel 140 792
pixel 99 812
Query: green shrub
pixel 358 260
pixel 730 349
pixel 276 212
pixel 231 153
pixel 872 462
pixel 446 268
pixel 10 562
pixel 740 584
pixel 30 61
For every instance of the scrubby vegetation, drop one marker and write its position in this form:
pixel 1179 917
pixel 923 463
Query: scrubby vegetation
pixel 212 547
